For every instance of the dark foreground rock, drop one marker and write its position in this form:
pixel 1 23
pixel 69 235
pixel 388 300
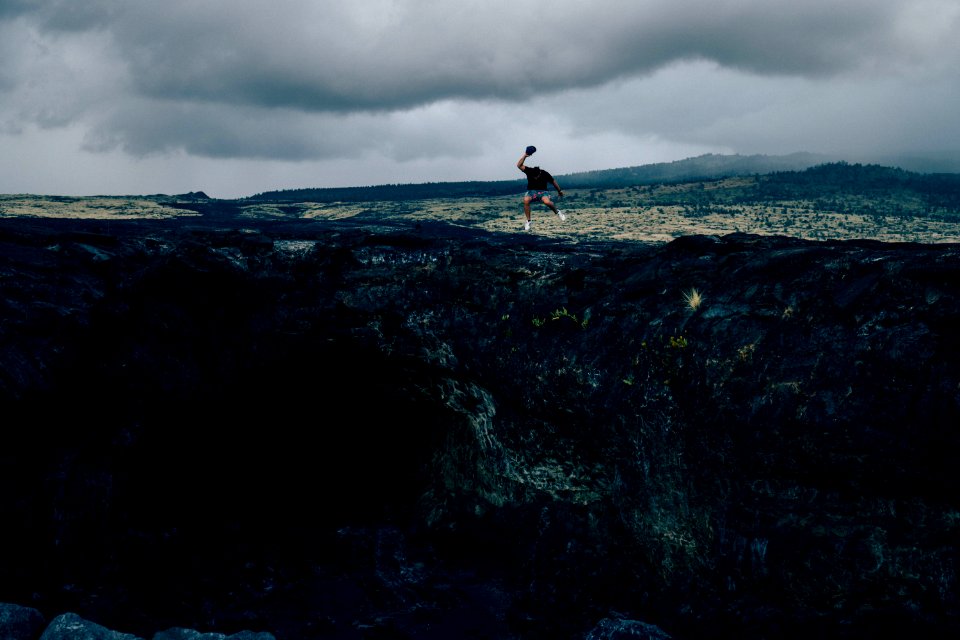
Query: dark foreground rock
pixel 26 623
pixel 336 430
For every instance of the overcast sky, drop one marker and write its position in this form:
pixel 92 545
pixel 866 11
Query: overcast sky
pixel 236 97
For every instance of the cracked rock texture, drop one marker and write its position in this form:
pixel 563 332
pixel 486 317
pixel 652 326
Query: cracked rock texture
pixel 358 430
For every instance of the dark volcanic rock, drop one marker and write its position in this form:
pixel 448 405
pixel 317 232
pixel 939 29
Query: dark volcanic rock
pixel 20 623
pixel 329 430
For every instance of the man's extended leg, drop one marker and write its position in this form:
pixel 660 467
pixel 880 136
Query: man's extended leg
pixel 526 212
pixel 547 201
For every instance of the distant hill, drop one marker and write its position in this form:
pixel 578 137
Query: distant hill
pixel 926 162
pixel 795 172
pixel 937 190
pixel 705 167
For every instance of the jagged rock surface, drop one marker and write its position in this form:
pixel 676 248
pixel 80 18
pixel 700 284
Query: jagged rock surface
pixel 27 623
pixel 340 430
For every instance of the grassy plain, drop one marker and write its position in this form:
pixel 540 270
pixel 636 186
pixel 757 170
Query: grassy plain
pixel 653 213
pixel 93 207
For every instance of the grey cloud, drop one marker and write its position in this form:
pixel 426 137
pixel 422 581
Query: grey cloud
pixel 395 55
pixel 143 127
pixel 8 73
pixel 698 103
pixel 687 100
pixel 300 79
pixel 13 8
pixel 65 15
pixel 796 38
pixel 513 53
pixel 52 83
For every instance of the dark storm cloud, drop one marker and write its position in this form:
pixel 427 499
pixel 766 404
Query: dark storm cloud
pixel 311 79
pixel 796 38
pixel 397 54
pixel 12 8
pixel 65 15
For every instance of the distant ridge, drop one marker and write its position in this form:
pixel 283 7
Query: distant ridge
pixel 703 167
pixel 921 162
pixel 708 166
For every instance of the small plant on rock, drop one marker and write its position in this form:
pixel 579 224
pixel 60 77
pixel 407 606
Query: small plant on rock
pixel 560 314
pixel 693 298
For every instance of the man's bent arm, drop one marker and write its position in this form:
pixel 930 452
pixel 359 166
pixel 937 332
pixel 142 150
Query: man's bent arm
pixel 521 160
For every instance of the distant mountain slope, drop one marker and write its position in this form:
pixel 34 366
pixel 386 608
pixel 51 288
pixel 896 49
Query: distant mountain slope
pixel 706 167
pixel 793 174
pixel 709 166
pixel 921 162
pixel 937 190
pixel 391 192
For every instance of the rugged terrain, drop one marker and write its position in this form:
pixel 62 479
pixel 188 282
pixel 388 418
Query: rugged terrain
pixel 384 426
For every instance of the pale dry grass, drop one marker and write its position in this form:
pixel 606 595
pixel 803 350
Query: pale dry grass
pixel 693 298
pixel 116 208
pixel 666 223
pixel 586 218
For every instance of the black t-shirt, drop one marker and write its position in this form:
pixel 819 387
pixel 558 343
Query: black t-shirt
pixel 537 178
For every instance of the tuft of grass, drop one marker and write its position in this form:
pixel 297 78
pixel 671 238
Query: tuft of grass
pixel 693 298
pixel 559 314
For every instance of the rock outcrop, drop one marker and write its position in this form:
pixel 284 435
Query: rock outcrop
pixel 339 430
pixel 27 623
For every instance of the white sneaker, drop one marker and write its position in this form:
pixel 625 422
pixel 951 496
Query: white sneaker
pixel 562 215
pixel 526 226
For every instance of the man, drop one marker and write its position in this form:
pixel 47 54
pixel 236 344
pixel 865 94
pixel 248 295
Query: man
pixel 537 184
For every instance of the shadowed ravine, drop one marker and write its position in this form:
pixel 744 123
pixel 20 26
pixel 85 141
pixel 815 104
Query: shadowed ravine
pixel 349 430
